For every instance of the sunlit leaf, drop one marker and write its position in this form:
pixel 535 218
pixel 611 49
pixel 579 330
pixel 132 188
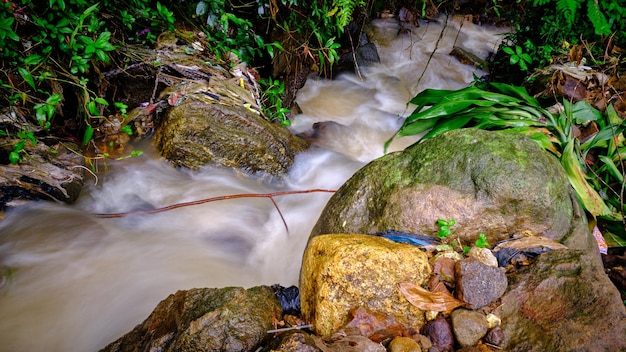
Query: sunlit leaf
pixel 427 300
pixel 417 127
pixel 517 91
pixel 588 196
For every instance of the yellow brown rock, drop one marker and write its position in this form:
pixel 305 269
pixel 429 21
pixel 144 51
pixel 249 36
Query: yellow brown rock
pixel 344 271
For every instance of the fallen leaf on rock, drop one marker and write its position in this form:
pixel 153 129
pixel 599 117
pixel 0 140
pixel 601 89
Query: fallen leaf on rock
pixel 427 300
pixel 376 326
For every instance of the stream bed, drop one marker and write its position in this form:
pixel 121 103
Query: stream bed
pixel 75 282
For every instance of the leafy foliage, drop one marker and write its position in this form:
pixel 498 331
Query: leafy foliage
pixel 552 26
pixel 510 109
pixel 58 46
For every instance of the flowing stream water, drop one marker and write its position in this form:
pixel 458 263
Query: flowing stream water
pixel 74 282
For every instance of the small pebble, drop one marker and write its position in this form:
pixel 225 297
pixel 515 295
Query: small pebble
pixel 493 321
pixel 440 334
pixel 495 336
pixel 469 326
pixel 484 255
pixel 403 344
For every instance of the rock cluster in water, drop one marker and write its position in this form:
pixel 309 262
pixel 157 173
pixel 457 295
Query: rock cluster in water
pixel 543 290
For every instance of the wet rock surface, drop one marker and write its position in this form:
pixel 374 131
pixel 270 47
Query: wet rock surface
pixel 469 326
pixel 203 129
pixel 403 344
pixel 563 302
pixel 342 272
pixel 46 172
pixel 439 331
pixel 211 319
pixel 479 284
pixel 488 182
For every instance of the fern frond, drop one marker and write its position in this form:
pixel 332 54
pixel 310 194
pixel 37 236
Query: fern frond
pixel 568 9
pixel 540 2
pixel 346 8
pixel 600 24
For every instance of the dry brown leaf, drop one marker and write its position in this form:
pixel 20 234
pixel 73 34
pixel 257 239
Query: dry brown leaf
pixel 427 300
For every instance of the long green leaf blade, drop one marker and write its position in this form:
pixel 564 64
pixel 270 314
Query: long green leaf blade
pixel 588 196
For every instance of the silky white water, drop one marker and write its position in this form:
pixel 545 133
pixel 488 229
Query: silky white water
pixel 74 282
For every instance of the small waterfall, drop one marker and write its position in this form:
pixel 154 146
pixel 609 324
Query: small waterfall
pixel 75 282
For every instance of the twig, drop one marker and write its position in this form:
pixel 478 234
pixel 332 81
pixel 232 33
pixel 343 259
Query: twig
pixel 297 327
pixel 207 200
pixel 445 25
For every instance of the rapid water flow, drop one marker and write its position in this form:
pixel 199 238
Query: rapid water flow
pixel 74 282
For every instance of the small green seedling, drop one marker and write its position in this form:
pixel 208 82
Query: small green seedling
pixel 444 228
pixel 481 242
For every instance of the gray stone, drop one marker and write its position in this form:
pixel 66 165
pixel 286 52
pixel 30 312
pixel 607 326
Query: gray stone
pixel 563 301
pixel 489 182
pixel 477 283
pixel 208 319
pixel 469 326
pixel 495 336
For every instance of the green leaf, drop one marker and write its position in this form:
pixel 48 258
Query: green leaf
pixel 14 157
pixel 445 108
pixel 88 134
pixel 416 127
pixel 102 101
pixel 28 78
pixel 448 125
pixel 588 196
pixel 603 135
pixel 583 112
pixel 54 99
pixel 102 56
pixel 508 50
pixel 612 168
pixel 526 58
pixel 430 97
pixel 33 59
pixel 92 108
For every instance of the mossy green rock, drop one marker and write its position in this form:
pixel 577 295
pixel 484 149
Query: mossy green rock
pixel 199 132
pixel 205 319
pixel 489 182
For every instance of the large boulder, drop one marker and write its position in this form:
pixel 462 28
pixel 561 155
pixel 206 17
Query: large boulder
pixel 219 124
pixel 489 182
pixel 343 272
pixel 205 319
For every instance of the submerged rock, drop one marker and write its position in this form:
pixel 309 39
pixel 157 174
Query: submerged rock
pixel 217 124
pixel 343 272
pixel 205 319
pixel 488 182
